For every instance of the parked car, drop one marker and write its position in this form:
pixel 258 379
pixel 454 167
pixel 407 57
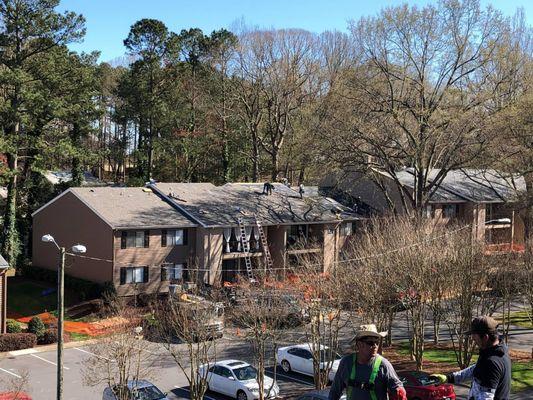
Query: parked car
pixel 299 358
pixel 138 390
pixel 237 379
pixel 318 395
pixel 421 386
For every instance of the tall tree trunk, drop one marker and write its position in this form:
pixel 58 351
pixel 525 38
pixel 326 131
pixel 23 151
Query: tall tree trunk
pixel 10 239
pixel 76 167
pixel 255 156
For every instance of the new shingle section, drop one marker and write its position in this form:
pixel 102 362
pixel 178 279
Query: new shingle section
pixel 124 208
pixel 221 205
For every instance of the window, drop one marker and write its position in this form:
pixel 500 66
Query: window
pixel 130 239
pixel 172 272
pixel 347 228
pixel 133 275
pixel 173 237
pixel 449 210
pixel 430 211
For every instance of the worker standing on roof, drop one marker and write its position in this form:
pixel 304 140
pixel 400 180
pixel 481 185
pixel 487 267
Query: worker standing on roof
pixel 301 190
pixel 267 188
pixel 491 374
pixel 365 374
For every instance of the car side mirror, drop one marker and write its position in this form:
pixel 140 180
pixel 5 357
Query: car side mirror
pixel 231 378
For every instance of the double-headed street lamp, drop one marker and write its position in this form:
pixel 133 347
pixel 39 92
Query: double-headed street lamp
pixel 77 249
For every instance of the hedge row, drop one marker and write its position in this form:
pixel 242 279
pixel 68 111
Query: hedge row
pixel 87 289
pixel 17 341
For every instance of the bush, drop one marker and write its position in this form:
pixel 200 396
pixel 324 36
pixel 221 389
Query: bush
pixel 49 336
pixel 13 326
pixel 36 326
pixel 17 341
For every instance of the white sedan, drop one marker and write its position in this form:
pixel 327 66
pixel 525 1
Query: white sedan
pixel 298 358
pixel 237 379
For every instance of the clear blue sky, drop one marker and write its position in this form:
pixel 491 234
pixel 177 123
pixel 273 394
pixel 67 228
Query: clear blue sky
pixel 109 21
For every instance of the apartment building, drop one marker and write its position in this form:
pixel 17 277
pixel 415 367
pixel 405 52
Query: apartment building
pixel 143 239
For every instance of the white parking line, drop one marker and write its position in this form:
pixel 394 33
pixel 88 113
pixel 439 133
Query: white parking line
pixel 45 360
pixel 187 390
pixel 294 379
pixel 92 354
pixel 11 373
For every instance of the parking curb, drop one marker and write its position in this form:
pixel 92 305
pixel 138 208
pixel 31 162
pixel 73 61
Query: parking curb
pixel 48 347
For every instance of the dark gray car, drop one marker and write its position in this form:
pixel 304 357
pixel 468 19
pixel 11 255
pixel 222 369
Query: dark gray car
pixel 317 395
pixel 138 390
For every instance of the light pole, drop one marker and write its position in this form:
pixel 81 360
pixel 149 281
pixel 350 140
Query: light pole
pixel 77 249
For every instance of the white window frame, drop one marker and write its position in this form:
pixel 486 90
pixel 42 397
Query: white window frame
pixel 347 228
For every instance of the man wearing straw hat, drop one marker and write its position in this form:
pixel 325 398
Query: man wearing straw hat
pixel 365 374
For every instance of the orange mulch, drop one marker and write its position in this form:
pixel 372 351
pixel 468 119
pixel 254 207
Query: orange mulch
pixel 93 329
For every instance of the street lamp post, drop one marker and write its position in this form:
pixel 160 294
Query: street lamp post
pixel 77 249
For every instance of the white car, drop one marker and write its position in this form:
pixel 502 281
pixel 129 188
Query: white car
pixel 237 379
pixel 298 358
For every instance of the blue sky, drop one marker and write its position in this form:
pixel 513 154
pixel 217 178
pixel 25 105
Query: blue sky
pixel 108 22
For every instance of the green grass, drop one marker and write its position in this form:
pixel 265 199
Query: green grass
pixel 24 297
pixel 522 376
pixel 519 318
pixel 77 337
pixel 446 356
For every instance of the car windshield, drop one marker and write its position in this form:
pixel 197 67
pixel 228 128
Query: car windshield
pixel 245 373
pixel 148 393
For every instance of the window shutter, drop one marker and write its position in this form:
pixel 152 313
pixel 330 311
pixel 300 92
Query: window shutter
pixel 122 275
pixel 185 237
pixel 164 274
pixel 123 239
pixel 146 276
pixel 146 238
pixel 164 238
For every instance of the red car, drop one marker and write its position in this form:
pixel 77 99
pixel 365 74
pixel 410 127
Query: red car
pixel 421 386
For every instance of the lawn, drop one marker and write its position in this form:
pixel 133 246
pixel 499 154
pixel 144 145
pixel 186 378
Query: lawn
pixel 25 297
pixel 520 318
pixel 521 375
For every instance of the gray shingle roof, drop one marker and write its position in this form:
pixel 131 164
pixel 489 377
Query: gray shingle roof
pixel 132 207
pixel 221 205
pixel 474 185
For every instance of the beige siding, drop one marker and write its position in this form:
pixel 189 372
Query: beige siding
pixel 209 244
pixel 331 232
pixel 71 222
pixel 153 257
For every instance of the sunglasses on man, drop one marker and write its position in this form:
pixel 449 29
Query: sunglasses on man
pixel 370 343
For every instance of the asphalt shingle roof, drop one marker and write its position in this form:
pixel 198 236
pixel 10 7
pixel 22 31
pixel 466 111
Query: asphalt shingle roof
pixel 475 185
pixel 132 207
pixel 221 205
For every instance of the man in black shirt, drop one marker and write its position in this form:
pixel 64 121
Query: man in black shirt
pixel 491 375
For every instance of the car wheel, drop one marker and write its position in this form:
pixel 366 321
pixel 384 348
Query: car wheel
pixel 241 395
pixel 285 366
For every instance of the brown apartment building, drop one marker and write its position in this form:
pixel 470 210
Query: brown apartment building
pixel 143 239
pixel 483 198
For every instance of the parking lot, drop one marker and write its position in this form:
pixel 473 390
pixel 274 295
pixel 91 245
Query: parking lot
pixel 40 368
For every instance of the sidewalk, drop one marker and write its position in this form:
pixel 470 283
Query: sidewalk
pixel 48 347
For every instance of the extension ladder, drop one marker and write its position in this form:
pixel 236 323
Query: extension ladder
pixel 246 249
pixel 264 244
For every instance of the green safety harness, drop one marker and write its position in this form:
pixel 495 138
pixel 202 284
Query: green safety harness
pixel 363 385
